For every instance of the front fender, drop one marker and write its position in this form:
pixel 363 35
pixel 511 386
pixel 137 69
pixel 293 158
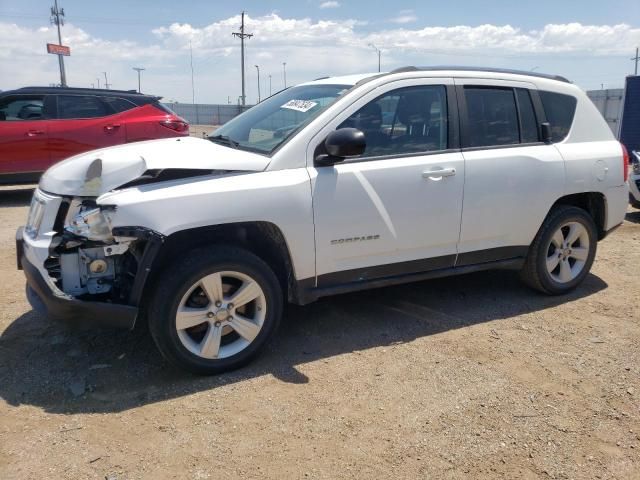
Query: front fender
pixel 280 197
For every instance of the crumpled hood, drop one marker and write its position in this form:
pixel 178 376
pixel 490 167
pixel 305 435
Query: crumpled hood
pixel 96 172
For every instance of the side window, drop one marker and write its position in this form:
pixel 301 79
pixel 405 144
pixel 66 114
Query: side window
pixel 528 123
pixel 559 109
pixel 22 108
pixel 403 121
pixel 80 106
pixel 492 117
pixel 117 105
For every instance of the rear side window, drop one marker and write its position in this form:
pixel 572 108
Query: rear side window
pixel 80 106
pixel 528 123
pixel 118 105
pixel 559 109
pixel 492 117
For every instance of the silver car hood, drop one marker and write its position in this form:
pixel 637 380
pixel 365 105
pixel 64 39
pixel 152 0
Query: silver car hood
pixel 96 172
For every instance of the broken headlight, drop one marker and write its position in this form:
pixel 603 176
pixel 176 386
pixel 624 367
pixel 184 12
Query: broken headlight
pixel 90 222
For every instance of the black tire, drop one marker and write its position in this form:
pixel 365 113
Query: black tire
pixel 534 272
pixel 634 203
pixel 175 282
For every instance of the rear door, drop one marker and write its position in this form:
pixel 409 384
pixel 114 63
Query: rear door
pixel 83 123
pixel 511 177
pixel 23 134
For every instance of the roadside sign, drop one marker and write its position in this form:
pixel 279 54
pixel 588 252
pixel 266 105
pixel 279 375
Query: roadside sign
pixel 58 49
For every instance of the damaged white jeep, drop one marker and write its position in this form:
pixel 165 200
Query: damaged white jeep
pixel 331 186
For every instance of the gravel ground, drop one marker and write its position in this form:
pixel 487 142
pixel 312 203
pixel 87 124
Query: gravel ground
pixel 466 377
pixel 201 131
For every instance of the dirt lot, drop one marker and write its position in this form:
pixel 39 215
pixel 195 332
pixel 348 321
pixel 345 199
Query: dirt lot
pixel 201 131
pixel 468 377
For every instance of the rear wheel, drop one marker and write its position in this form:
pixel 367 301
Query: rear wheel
pixel 562 253
pixel 215 310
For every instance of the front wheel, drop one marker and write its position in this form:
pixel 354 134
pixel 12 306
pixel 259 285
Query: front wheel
pixel 215 310
pixel 563 251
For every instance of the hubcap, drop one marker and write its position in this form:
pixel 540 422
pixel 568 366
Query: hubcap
pixel 567 252
pixel 221 314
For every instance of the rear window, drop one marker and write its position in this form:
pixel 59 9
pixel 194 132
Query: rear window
pixel 559 109
pixel 493 117
pixel 163 107
pixel 118 105
pixel 80 106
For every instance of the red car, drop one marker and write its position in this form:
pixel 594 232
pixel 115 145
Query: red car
pixel 40 126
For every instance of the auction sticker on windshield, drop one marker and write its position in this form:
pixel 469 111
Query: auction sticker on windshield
pixel 300 105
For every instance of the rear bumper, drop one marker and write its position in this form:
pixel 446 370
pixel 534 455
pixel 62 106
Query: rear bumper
pixel 62 307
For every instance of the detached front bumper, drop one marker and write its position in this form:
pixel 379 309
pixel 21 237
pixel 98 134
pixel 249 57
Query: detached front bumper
pixel 58 306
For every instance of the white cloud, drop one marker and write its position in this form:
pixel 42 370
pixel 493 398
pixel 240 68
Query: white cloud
pixel 405 16
pixel 311 48
pixel 330 4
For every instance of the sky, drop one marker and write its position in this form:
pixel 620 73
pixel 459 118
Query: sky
pixel 589 42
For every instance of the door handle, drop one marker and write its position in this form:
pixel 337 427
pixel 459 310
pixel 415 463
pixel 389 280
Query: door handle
pixel 111 127
pixel 34 133
pixel 437 174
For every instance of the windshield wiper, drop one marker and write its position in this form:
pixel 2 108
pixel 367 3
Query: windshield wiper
pixel 223 139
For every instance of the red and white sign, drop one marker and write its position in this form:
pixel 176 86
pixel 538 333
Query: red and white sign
pixel 58 49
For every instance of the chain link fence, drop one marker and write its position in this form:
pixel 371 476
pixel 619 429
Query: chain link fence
pixel 207 114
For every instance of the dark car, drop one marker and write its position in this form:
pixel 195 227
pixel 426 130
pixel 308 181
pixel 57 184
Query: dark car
pixel 40 126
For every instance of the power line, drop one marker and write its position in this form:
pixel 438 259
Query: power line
pixel 241 35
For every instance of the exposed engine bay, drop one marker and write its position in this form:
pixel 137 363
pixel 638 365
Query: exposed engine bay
pixel 88 259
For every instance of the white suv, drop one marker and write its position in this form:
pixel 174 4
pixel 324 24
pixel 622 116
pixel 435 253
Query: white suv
pixel 331 186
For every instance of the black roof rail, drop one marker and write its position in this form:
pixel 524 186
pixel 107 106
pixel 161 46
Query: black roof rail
pixel 95 91
pixel 481 69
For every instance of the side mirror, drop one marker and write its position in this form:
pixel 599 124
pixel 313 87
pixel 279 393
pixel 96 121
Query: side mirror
pixel 545 132
pixel 341 144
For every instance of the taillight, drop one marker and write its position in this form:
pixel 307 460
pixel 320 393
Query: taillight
pixel 176 125
pixel 625 162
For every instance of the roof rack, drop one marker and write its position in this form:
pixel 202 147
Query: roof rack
pixel 482 69
pixel 82 89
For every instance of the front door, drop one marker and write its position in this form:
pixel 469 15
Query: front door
pixel 396 209
pixel 23 135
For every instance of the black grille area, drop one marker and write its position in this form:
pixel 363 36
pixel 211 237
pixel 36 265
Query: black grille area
pixel 52 264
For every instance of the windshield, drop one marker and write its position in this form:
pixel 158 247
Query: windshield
pixel 266 126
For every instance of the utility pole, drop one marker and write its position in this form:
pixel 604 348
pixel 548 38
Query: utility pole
pixel 193 85
pixel 258 69
pixel 379 53
pixel 106 83
pixel 269 85
pixel 57 18
pixel 98 79
pixel 284 72
pixel 241 35
pixel 636 58
pixel 139 69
